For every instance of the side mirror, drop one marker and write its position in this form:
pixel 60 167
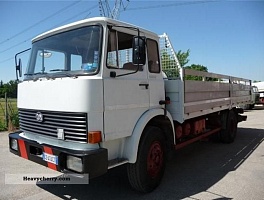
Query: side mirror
pixel 18 68
pixel 139 50
pixel 19 65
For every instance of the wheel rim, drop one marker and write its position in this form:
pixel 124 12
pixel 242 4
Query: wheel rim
pixel 155 159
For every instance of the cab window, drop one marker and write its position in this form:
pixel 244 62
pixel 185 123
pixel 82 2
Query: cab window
pixel 153 56
pixel 119 51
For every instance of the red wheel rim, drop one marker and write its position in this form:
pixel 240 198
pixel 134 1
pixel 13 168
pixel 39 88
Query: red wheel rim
pixel 155 159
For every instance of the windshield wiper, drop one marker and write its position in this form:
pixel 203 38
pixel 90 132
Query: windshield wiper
pixel 37 73
pixel 68 75
pixel 58 70
pixel 51 76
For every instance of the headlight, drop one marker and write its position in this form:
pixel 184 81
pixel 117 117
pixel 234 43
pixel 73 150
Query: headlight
pixel 14 144
pixel 74 163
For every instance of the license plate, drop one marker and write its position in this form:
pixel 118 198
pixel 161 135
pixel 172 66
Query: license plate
pixel 50 158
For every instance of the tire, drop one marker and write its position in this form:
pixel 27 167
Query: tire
pixel 228 134
pixel 146 174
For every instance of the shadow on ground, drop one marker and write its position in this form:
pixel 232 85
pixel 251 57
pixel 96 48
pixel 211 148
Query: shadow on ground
pixel 193 170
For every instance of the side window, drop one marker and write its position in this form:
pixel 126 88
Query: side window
pixel 119 53
pixel 153 56
pixel 112 60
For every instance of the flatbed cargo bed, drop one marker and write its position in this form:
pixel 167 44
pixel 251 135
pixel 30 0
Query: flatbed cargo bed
pixel 200 93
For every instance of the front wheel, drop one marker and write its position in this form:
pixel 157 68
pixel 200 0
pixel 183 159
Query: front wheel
pixel 146 174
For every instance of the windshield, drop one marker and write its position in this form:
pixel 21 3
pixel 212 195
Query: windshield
pixel 255 89
pixel 71 53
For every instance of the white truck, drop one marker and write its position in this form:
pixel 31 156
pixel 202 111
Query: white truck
pixel 260 87
pixel 255 99
pixel 94 97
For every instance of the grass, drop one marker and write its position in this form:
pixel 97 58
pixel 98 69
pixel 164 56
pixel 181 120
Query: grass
pixel 11 108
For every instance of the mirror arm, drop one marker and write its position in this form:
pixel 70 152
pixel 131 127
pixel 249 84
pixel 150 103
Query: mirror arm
pixel 20 53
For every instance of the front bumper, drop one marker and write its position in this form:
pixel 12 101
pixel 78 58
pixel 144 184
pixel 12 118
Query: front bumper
pixel 260 101
pixel 94 162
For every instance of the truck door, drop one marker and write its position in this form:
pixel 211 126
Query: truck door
pixel 156 82
pixel 126 97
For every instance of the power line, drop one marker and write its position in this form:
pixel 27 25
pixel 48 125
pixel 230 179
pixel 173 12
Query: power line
pixel 65 8
pixel 78 14
pixel 30 27
pixel 11 47
pixel 169 5
pixel 7 59
pixel 15 45
pixel 89 9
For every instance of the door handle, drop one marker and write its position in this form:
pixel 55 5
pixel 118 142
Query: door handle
pixel 144 84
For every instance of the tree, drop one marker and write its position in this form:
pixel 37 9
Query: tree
pixel 169 65
pixel 2 93
pixel 10 88
pixel 171 69
pixel 183 57
pixel 198 68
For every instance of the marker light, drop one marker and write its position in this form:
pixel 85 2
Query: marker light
pixel 94 137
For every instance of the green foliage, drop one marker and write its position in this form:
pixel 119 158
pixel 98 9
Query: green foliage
pixel 169 65
pixel 10 88
pixel 2 126
pixel 198 68
pixel 183 57
pixel 14 119
pixel 12 114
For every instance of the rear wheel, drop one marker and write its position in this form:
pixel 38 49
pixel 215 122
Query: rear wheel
pixel 251 106
pixel 228 134
pixel 146 174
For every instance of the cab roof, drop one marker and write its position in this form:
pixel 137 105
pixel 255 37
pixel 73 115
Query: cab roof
pixel 89 21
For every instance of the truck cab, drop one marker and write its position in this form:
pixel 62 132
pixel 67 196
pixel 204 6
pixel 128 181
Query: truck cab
pixel 82 92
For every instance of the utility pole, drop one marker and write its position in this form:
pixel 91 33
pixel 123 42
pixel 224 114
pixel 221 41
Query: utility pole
pixel 105 10
pixel 6 111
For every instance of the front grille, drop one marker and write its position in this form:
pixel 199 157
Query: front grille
pixel 73 124
pixel 257 98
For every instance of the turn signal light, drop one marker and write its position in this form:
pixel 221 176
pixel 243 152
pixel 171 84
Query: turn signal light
pixel 94 137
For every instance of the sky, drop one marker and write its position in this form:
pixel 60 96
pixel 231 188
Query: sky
pixel 225 36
